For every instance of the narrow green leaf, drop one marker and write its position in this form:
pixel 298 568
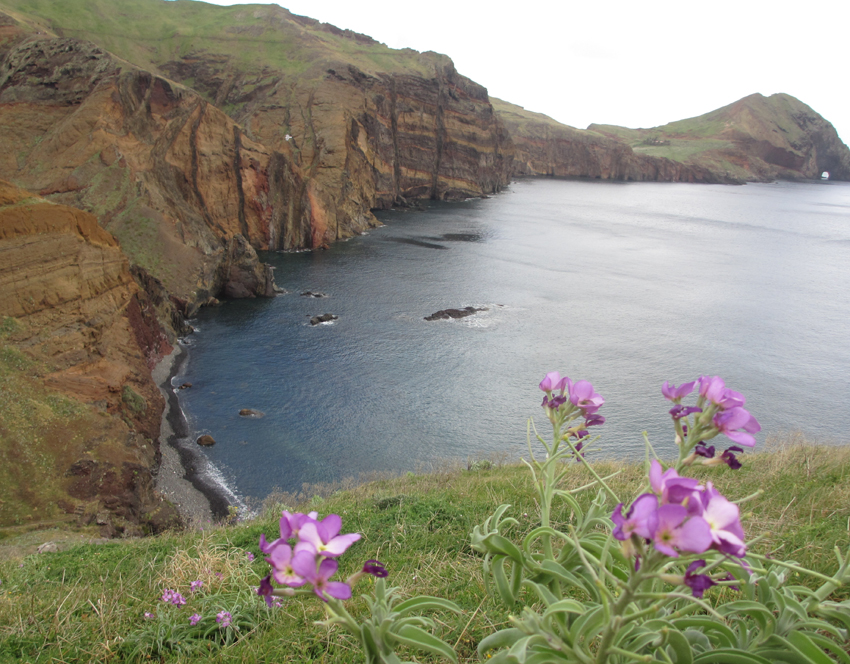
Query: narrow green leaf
pixel 805 645
pixel 835 648
pixel 422 640
pixel 503 586
pixel 426 603
pixel 780 649
pixel 500 639
pixel 719 634
pixel 681 647
pixel 565 606
pixel 730 656
pixel 587 626
pixel 498 544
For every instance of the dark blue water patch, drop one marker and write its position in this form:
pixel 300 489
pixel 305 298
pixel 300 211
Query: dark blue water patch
pixel 625 286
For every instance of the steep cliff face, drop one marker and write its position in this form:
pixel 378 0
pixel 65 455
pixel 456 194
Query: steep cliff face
pixel 368 140
pixel 546 147
pixel 78 338
pixel 361 125
pixel 172 177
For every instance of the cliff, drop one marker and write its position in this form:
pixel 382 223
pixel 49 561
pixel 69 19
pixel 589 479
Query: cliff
pixel 170 176
pixel 81 415
pixel 544 146
pixel 321 126
pixel 756 138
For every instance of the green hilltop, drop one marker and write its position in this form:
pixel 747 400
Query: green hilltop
pixel 149 33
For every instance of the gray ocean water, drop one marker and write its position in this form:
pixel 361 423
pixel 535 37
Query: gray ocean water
pixel 624 285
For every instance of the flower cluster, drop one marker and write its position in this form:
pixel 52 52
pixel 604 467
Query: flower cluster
pixel 680 515
pixel 223 618
pixel 310 559
pixel 173 597
pixel 566 399
pixel 718 410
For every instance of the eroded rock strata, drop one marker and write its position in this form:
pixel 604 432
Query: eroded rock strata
pixel 172 177
pixel 81 410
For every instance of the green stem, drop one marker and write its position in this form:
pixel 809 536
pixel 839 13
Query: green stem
pixel 796 568
pixel 593 472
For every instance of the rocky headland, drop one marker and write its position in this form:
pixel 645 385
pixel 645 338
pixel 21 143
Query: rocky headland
pixel 756 139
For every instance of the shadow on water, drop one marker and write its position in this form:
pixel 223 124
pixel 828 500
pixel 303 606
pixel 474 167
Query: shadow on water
pixel 418 243
pixel 459 237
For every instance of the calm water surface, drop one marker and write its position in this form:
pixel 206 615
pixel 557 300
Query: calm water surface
pixel 625 285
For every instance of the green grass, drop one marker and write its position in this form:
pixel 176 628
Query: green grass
pixel 149 33
pixel 90 600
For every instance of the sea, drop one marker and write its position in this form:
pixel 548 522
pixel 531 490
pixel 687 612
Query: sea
pixel 625 285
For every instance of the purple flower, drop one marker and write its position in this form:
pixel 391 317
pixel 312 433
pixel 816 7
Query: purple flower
pixel 223 618
pixel 593 420
pixel 703 451
pixel 679 411
pixel 729 577
pixel 712 388
pixel 673 531
pixel 674 489
pixel 250 557
pixel 635 520
pixel 173 597
pixel 325 538
pixel 698 583
pixel 280 559
pixel 583 396
pixel 149 615
pixel 729 457
pixel 554 403
pixel 375 568
pixel 265 589
pixel 195 618
pixel 305 565
pixel 195 586
pixel 728 422
pixel 674 394
pixel 723 520
pixel 290 525
pixel 553 381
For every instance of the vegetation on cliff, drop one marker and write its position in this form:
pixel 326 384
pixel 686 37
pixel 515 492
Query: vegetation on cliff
pixel 756 138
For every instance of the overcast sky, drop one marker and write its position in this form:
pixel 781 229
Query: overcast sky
pixel 630 63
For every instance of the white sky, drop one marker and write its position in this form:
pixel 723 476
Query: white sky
pixel 624 62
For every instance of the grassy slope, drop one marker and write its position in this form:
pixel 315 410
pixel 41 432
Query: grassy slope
pixel 523 122
pixel 90 598
pixel 255 37
pixel 705 137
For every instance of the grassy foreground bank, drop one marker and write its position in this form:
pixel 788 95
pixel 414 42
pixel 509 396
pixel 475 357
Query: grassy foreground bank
pixel 88 603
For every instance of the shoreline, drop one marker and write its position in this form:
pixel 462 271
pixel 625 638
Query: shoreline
pixel 179 478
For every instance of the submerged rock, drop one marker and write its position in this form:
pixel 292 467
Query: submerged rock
pixel 250 412
pixel 312 294
pixel 446 314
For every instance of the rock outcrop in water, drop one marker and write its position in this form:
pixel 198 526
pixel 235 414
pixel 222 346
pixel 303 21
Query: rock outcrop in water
pixel 79 336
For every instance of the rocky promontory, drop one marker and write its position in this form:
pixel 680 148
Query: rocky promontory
pixel 756 139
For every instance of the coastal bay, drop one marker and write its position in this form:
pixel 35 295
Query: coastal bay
pixel 625 285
